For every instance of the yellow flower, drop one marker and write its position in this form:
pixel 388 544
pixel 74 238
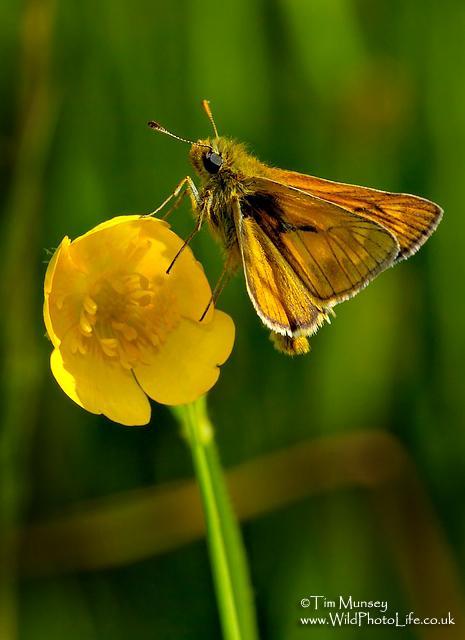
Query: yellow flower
pixel 122 329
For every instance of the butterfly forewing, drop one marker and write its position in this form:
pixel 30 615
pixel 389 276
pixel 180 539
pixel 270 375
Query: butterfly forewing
pixel 333 252
pixel 411 219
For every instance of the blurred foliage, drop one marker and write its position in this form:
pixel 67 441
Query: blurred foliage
pixel 352 90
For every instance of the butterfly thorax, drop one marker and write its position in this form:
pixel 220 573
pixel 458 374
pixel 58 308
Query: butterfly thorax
pixel 226 170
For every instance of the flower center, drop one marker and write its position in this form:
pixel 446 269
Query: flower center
pixel 125 317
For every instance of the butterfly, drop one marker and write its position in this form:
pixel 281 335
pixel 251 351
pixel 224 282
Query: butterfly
pixel 305 244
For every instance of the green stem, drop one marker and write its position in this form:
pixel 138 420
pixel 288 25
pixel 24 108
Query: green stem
pixel 227 556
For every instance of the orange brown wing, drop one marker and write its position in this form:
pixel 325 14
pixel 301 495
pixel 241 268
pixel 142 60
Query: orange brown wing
pixel 409 218
pixel 280 298
pixel 332 252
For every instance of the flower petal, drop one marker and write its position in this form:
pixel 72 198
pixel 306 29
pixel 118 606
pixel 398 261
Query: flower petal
pixel 187 277
pixel 60 272
pixel 64 378
pixel 107 244
pixel 121 240
pixel 107 224
pixel 52 265
pixel 101 388
pixel 187 365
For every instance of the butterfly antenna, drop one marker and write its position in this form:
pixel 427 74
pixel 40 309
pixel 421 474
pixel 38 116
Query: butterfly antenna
pixel 208 111
pixel 158 127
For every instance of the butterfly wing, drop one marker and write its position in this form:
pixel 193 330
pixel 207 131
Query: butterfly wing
pixel 329 251
pixel 280 298
pixel 409 218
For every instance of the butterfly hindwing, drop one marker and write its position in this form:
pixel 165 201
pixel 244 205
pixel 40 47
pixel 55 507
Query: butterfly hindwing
pixel 280 298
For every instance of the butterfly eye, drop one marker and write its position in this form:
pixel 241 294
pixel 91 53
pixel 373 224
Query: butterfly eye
pixel 212 162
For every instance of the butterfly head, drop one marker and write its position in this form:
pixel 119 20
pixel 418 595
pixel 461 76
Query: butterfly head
pixel 217 158
pixel 222 159
pixel 206 158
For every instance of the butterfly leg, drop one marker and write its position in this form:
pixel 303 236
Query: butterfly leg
pixel 189 187
pixel 198 225
pixel 220 285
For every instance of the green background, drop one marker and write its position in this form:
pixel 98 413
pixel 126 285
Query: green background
pixel 364 92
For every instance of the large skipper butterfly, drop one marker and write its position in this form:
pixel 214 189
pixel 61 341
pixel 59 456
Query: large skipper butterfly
pixel 305 243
